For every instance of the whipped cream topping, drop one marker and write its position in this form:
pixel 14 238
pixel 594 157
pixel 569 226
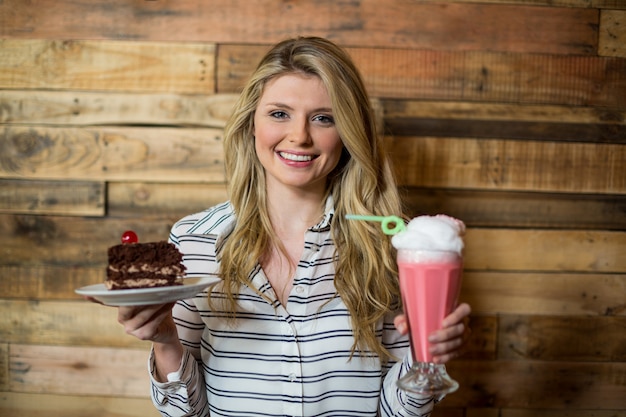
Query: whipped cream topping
pixel 440 232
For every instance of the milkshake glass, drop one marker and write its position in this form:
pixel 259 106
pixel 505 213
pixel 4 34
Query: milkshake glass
pixel 429 266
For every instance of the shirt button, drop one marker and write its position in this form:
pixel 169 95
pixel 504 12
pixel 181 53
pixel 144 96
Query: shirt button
pixel 292 377
pixel 299 289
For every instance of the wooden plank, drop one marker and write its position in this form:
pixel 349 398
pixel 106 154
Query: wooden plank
pixel 538 385
pixel 51 405
pixel 70 242
pixel 509 165
pixel 557 413
pixel 571 338
pixel 148 199
pixel 500 112
pixel 479 208
pixel 459 26
pixel 612 33
pixel 534 293
pixel 545 250
pixel 463 76
pixel 576 132
pixel 79 370
pixel 106 65
pixel 511 121
pixel 50 282
pixel 97 154
pixel 4 367
pixel 608 4
pixel 106 108
pixel 73 198
pixel 66 323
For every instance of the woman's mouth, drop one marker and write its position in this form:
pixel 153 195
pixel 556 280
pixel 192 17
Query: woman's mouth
pixel 296 157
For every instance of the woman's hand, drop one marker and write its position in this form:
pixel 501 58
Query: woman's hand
pixel 152 322
pixel 447 342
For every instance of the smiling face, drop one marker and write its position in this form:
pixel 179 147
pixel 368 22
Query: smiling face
pixel 296 139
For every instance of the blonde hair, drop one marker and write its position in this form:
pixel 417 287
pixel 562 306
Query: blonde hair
pixel 366 272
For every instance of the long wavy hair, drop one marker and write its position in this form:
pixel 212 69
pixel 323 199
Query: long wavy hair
pixel 362 183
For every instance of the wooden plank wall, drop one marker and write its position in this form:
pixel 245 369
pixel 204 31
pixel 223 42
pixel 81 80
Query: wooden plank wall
pixel 509 114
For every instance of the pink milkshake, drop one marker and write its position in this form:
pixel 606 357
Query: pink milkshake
pixel 430 282
pixel 429 265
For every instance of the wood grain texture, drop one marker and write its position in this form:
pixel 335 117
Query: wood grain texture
pixel 520 209
pixel 72 370
pixel 107 65
pixel 509 165
pixel 538 385
pixel 612 34
pixel 81 108
pixel 550 338
pixel 463 76
pixel 130 154
pixel 133 199
pixel 535 293
pixel 51 405
pixel 72 198
pixel 458 26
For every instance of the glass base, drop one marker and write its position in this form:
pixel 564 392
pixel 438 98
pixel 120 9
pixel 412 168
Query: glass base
pixel 428 379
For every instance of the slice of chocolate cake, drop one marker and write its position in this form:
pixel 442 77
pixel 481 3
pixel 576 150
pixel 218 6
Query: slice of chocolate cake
pixel 144 265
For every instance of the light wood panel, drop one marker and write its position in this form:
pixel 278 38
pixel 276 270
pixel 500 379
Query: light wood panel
pixel 96 371
pixel 509 165
pixel 612 40
pixel 51 405
pixel 106 65
pixel 112 153
pixel 81 108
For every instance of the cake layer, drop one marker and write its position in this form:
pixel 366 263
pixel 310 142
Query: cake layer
pixel 144 265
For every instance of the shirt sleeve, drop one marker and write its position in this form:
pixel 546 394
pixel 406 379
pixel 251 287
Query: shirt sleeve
pixel 184 393
pixel 395 402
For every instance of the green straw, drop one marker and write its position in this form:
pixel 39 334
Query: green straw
pixel 398 223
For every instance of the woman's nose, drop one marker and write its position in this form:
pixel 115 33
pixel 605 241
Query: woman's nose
pixel 300 132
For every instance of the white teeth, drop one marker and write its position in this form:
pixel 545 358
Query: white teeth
pixel 297 158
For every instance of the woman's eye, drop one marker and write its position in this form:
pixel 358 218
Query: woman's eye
pixel 278 114
pixel 324 119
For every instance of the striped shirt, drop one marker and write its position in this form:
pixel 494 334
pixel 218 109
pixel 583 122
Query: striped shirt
pixel 271 360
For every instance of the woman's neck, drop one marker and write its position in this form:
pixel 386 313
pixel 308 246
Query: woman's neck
pixel 294 211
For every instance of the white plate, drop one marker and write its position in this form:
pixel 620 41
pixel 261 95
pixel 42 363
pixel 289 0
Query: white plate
pixel 147 296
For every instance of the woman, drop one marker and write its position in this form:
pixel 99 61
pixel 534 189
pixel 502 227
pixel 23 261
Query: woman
pixel 302 322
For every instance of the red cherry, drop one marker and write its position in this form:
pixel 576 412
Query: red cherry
pixel 129 237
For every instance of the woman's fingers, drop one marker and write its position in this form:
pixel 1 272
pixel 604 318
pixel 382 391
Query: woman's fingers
pixel 145 322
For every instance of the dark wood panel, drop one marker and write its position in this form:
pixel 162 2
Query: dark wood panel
pixel 572 338
pixel 537 385
pixel 74 198
pixel 452 25
pixel 520 209
pixel 581 132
